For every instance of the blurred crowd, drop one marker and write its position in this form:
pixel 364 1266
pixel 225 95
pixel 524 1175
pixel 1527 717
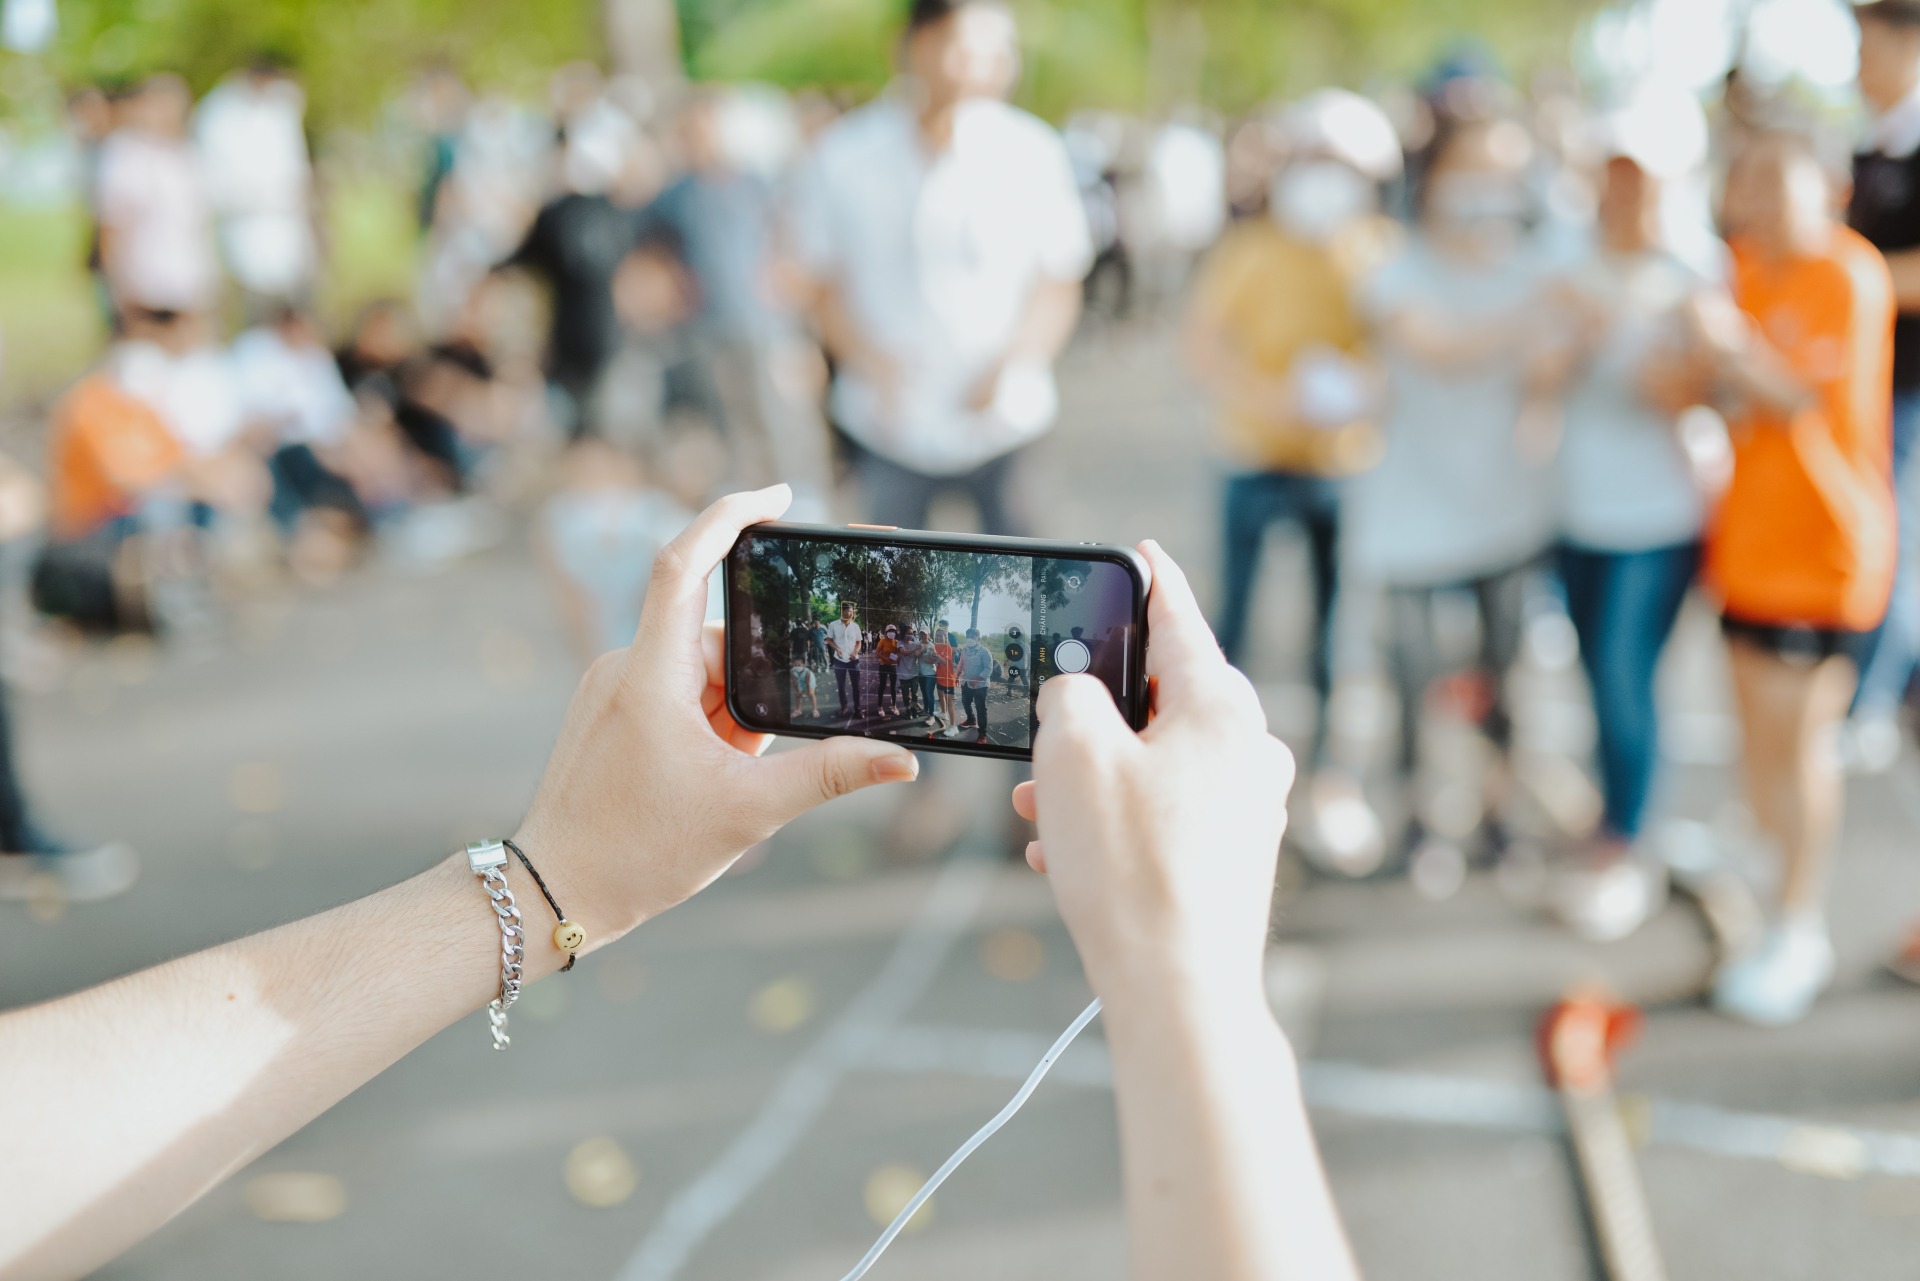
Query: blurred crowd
pixel 1494 353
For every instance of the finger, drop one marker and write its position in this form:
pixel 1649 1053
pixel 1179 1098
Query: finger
pixel 1037 857
pixel 676 606
pixel 1076 713
pixel 713 648
pixel 1179 642
pixel 792 783
pixel 1026 802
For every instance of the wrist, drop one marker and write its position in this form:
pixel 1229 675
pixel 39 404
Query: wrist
pixel 1153 996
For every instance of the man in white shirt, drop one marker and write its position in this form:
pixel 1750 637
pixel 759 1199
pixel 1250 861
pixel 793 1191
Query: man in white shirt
pixel 845 642
pixel 252 140
pixel 156 226
pixel 945 240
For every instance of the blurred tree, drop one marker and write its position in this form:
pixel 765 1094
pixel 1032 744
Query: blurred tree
pixel 1127 54
pixel 1135 54
pixel 353 55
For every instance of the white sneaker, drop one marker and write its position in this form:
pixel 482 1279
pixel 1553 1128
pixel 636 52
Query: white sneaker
pixel 85 876
pixel 1776 984
pixel 1343 836
pixel 1605 904
pixel 1870 744
pixel 951 731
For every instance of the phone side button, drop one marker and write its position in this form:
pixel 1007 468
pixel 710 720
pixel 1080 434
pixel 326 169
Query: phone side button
pixel 878 527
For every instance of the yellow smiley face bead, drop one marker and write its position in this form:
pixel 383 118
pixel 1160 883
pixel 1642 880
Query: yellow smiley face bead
pixel 568 937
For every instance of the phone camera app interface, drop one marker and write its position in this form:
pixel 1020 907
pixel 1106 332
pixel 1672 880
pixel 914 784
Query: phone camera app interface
pixel 918 642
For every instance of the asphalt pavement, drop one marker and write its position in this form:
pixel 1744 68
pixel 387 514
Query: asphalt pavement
pixel 746 1087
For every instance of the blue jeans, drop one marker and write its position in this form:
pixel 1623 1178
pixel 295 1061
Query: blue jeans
pixel 1895 648
pixel 1623 605
pixel 1255 502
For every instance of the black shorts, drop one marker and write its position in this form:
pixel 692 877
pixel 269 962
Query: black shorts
pixel 1799 643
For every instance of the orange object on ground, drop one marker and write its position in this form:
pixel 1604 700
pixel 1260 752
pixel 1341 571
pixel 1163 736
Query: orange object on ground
pixel 1578 1040
pixel 1805 534
pixel 105 449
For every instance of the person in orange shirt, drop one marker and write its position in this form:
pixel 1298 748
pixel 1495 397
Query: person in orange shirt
pixel 106 450
pixel 1800 552
pixel 943 678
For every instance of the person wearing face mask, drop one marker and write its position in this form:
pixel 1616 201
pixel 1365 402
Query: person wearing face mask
pixel 1273 336
pixel 944 242
pixel 1631 500
pixel 1455 503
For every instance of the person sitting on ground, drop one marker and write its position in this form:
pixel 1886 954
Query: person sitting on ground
pixel 122 480
pixel 806 687
pixel 124 1103
pixel 330 471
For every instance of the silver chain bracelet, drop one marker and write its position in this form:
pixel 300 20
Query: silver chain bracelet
pixel 487 859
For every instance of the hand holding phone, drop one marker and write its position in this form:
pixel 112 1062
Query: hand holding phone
pixel 1161 845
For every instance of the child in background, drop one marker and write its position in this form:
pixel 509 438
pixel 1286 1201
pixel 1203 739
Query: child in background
pixel 599 534
pixel 806 686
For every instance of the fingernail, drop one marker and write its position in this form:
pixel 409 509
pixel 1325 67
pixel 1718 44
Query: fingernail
pixel 895 767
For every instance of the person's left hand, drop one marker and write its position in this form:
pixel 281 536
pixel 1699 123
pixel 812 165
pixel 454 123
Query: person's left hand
pixel 653 789
pixel 986 388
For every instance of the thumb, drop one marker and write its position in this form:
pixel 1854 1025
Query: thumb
pixel 791 783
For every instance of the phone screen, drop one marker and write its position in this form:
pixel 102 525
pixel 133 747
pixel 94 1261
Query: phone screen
pixel 916 642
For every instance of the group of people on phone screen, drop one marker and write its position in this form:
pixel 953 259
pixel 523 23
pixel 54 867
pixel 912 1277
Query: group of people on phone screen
pixel 934 679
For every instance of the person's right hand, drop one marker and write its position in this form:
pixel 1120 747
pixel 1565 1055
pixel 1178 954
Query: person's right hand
pixel 1161 846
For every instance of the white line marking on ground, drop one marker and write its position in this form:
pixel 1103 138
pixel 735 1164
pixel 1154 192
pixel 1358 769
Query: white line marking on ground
pixel 804 1091
pixel 1427 1098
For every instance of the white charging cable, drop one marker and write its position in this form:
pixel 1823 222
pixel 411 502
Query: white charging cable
pixel 984 1133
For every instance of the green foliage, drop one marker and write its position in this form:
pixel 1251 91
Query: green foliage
pixel 1135 54
pixel 353 54
pixel 1128 54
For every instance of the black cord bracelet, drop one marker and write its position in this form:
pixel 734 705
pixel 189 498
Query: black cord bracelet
pixel 567 936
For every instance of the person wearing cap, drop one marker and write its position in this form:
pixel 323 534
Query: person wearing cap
pixel 1885 208
pixel 1274 337
pixel 1631 505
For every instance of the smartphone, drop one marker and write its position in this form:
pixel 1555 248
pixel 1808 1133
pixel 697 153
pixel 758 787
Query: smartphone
pixel 937 641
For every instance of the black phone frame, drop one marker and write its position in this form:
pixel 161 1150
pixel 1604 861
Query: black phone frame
pixel 1137 696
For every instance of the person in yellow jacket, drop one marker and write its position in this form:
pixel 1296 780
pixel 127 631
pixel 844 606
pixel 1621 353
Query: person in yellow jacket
pixel 1275 337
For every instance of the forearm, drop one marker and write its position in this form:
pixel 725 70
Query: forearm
pixel 130 1100
pixel 837 330
pixel 1047 325
pixel 1757 373
pixel 1222 1177
pixel 1905 268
